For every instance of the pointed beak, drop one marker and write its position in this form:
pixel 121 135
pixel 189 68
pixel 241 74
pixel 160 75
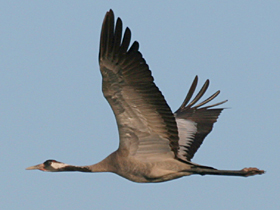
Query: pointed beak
pixel 39 167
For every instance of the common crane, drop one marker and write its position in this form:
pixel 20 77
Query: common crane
pixel 155 145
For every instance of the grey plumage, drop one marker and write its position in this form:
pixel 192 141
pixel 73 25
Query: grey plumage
pixel 155 144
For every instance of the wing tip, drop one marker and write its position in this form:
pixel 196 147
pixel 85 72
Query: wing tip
pixel 186 105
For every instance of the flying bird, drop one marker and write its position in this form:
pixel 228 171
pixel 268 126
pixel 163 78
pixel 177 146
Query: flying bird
pixel 155 145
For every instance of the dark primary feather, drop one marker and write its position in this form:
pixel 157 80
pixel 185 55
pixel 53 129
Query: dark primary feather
pixel 129 88
pixel 203 117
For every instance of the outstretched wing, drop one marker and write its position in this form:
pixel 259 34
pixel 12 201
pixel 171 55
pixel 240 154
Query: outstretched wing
pixel 194 121
pixel 147 126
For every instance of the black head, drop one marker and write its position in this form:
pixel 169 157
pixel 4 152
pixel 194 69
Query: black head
pixel 49 165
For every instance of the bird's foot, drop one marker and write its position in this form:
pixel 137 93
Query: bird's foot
pixel 252 171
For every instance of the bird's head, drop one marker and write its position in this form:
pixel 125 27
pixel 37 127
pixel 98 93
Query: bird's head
pixel 49 165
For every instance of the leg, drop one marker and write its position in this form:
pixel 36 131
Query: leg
pixel 244 172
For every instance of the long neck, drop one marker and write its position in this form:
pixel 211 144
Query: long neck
pixel 75 168
pixel 103 166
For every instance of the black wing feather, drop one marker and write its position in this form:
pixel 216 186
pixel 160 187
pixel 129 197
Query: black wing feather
pixel 202 117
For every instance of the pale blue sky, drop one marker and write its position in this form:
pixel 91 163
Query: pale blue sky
pixel 52 105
